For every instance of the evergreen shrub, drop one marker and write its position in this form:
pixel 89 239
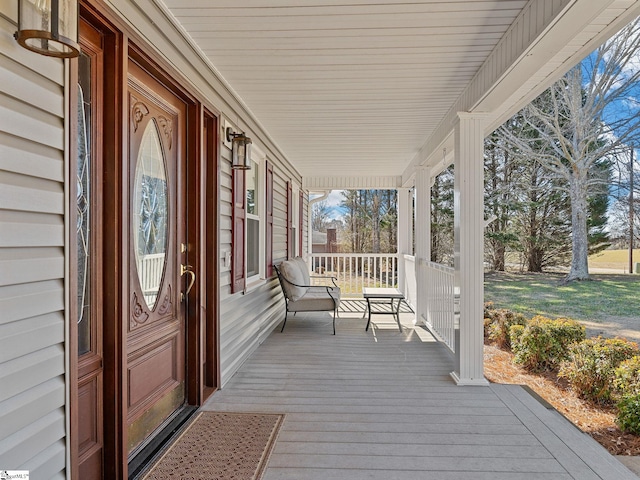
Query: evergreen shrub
pixel 629 414
pixel 591 364
pixel 498 328
pixel 542 344
pixel 489 310
pixel 627 377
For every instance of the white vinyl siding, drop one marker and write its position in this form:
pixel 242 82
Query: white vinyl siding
pixel 32 262
pixel 247 318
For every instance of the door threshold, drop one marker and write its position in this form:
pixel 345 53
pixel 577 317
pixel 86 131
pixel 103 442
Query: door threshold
pixel 157 443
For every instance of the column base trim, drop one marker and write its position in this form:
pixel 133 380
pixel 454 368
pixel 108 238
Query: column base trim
pixel 478 382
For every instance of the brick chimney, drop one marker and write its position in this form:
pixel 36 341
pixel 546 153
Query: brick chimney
pixel 332 240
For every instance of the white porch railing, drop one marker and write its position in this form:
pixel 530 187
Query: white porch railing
pixel 440 308
pixel 355 271
pixel 150 268
pixel 410 283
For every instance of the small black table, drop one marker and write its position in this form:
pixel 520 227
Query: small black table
pixel 385 296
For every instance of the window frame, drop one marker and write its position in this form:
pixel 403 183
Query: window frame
pixel 296 248
pixel 301 196
pixel 269 185
pixel 295 217
pixel 258 165
pixel 240 282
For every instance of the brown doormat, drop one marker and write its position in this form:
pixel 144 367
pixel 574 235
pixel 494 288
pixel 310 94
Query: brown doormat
pixel 220 445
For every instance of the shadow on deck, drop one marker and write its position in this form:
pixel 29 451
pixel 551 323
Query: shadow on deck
pixel 381 405
pixel 351 306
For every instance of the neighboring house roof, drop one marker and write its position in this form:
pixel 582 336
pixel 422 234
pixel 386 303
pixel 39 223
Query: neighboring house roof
pixel 319 237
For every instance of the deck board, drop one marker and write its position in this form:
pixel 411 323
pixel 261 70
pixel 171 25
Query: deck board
pixel 381 405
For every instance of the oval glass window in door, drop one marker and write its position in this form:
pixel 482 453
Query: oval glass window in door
pixel 150 214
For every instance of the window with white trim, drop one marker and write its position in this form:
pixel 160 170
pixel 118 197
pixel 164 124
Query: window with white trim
pixel 249 224
pixel 295 247
pixel 255 215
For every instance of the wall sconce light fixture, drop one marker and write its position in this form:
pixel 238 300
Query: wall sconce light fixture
pixel 240 150
pixel 49 27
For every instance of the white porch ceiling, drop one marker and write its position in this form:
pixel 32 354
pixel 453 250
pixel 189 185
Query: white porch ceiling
pixel 359 88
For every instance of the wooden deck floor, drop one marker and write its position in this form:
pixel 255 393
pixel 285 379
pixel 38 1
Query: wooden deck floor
pixel 381 405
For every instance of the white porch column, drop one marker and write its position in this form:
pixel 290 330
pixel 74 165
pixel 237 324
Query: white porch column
pixel 404 234
pixel 423 241
pixel 469 247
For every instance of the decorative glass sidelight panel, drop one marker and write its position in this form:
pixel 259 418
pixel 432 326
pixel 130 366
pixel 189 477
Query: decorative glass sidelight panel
pixel 150 214
pixel 83 204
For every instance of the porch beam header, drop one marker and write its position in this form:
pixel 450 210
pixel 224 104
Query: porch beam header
pixel 351 183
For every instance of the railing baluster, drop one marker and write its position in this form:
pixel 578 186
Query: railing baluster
pixel 440 302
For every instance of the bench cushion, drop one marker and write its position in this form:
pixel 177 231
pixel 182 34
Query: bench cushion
pixel 316 299
pixel 291 271
pixel 304 269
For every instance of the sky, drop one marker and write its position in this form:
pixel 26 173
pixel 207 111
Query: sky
pixel 627 105
pixel 333 201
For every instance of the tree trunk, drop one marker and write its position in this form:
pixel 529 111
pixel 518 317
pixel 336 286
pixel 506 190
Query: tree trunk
pixel 534 260
pixel 533 253
pixel 392 225
pixel 498 257
pixel 434 219
pixel 498 248
pixel 375 221
pixel 579 244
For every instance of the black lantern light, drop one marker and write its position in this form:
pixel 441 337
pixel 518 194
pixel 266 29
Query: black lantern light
pixel 240 150
pixel 49 27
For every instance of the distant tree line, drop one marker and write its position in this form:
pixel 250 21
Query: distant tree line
pixel 370 221
pixel 369 224
pixel 625 188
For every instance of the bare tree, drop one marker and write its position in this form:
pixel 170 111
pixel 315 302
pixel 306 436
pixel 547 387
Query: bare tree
pixel 579 121
pixel 626 176
pixel 442 218
pixel 371 221
pixel 374 215
pixel 320 216
pixel 390 220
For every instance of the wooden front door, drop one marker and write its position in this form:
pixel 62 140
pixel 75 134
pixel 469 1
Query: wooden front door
pixel 156 244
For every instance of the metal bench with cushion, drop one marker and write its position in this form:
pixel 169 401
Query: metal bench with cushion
pixel 300 295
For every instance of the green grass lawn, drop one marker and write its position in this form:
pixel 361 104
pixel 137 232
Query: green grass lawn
pixel 544 294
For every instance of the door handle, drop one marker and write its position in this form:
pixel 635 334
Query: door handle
pixel 186 269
